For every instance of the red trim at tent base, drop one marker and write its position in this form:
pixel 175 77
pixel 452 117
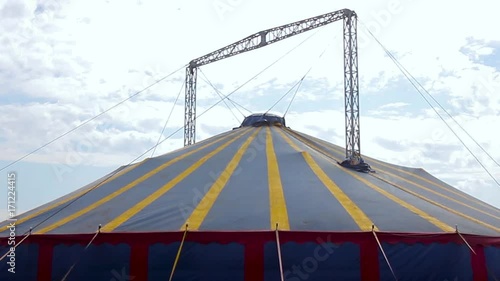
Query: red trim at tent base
pixel 254 249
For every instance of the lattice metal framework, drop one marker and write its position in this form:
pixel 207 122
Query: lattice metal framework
pixel 273 35
pixel 190 106
pixel 351 88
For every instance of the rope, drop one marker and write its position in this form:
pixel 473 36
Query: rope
pixel 445 111
pixel 278 246
pixel 407 74
pixel 93 118
pixel 168 118
pixel 85 249
pixel 302 80
pixel 241 106
pixel 177 257
pixel 15 246
pixel 488 270
pixel 293 97
pixel 235 104
pixel 220 96
pixel 463 239
pixel 297 84
pixel 283 96
pixel 383 253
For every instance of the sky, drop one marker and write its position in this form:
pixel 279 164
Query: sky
pixel 64 62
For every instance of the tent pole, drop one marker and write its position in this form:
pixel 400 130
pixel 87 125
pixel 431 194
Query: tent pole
pixel 17 244
pixel 279 253
pixel 463 239
pixel 383 252
pixel 85 249
pixel 178 253
pixel 488 271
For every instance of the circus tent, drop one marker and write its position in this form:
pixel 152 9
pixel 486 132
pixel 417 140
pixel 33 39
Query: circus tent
pixel 258 203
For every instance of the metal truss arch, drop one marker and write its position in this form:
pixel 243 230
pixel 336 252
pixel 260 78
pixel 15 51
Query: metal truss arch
pixel 269 36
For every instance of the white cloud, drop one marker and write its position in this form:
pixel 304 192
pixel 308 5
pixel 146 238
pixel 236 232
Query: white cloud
pixel 394 105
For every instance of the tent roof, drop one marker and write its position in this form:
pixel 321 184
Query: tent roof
pixel 254 177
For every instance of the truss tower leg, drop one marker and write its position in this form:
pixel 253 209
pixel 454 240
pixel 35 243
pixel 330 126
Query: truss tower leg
pixel 351 87
pixel 190 106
